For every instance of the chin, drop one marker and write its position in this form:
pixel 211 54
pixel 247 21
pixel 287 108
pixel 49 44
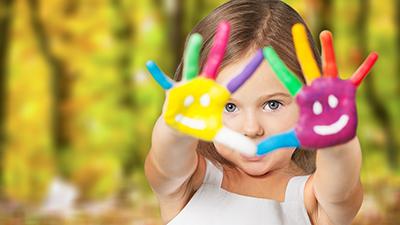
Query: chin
pixel 255 168
pixel 255 171
pixel 258 166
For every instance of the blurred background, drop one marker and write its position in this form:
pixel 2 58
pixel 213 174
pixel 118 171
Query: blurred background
pixel 77 105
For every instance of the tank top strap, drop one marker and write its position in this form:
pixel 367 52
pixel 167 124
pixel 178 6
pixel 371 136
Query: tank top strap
pixel 213 175
pixel 295 188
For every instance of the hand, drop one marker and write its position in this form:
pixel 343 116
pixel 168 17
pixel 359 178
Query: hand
pixel 328 114
pixel 195 105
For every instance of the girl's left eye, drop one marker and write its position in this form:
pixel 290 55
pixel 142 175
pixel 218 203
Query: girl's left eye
pixel 272 105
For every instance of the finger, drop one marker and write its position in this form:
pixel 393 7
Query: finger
pixel 235 141
pixel 304 54
pixel 364 69
pixel 249 70
pixel 329 66
pixel 158 75
pixel 289 80
pixel 217 51
pixel 283 140
pixel 192 54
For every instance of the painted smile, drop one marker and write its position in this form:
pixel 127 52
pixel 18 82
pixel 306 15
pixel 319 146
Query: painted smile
pixel 189 122
pixel 334 128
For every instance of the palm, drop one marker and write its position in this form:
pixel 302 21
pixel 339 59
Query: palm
pixel 328 114
pixel 194 107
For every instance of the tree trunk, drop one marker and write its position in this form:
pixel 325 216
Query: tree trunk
pixel 5 28
pixel 378 108
pixel 123 34
pixel 397 25
pixel 59 82
pixel 319 16
pixel 325 15
pixel 198 11
pixel 176 33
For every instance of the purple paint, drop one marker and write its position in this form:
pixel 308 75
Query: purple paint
pixel 239 80
pixel 322 121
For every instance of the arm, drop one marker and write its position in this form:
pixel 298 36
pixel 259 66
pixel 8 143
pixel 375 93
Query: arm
pixel 171 161
pixel 173 168
pixel 333 194
pixel 336 183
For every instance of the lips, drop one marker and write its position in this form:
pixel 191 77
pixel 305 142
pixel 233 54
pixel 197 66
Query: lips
pixel 333 128
pixel 252 158
pixel 191 123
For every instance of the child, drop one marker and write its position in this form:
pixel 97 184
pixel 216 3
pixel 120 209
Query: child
pixel 198 182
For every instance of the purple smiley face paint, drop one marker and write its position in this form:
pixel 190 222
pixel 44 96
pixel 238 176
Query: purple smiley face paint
pixel 328 113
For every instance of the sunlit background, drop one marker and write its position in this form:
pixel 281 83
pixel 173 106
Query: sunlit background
pixel 77 105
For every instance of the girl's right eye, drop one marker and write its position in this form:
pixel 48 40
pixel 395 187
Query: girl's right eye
pixel 230 107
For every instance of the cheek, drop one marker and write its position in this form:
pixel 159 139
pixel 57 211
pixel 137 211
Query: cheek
pixel 283 120
pixel 232 121
pixel 293 115
pixel 225 152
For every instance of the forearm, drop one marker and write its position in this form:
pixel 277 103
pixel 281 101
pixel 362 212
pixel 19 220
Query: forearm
pixel 172 158
pixel 338 172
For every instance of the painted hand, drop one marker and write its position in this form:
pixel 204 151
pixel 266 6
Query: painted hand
pixel 328 114
pixel 195 105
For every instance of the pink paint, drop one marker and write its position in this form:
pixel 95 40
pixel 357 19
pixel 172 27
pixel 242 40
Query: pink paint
pixel 328 114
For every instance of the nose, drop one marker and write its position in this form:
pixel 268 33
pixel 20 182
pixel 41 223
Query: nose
pixel 252 127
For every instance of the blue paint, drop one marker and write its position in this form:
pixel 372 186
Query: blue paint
pixel 282 140
pixel 158 75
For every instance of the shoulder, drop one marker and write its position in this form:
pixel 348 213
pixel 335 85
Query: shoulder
pixel 171 205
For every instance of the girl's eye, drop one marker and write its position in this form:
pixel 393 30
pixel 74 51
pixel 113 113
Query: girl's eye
pixel 272 105
pixel 230 107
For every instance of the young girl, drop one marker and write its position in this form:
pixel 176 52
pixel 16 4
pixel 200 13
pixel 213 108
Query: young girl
pixel 199 182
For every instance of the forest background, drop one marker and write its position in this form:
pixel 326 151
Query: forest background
pixel 77 105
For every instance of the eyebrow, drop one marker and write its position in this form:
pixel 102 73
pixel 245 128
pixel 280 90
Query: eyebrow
pixel 269 96
pixel 278 94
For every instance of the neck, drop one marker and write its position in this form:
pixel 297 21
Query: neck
pixel 237 181
pixel 287 170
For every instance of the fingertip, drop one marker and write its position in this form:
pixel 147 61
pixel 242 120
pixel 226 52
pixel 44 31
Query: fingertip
pixel 196 38
pixel 374 55
pixel 325 34
pixel 298 29
pixel 224 26
pixel 150 64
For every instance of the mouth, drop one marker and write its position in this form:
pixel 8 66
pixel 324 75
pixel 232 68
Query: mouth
pixel 334 128
pixel 252 158
pixel 189 122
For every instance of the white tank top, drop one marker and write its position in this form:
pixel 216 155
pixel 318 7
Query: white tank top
pixel 212 205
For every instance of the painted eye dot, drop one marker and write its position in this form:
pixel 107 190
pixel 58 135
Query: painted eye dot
pixel 317 108
pixel 333 101
pixel 205 100
pixel 188 101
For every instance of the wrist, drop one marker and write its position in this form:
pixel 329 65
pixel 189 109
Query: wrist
pixel 173 132
pixel 342 150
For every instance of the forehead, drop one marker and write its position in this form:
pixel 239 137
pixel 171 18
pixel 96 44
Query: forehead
pixel 262 82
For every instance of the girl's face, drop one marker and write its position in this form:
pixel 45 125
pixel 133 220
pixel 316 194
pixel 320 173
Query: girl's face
pixel 260 108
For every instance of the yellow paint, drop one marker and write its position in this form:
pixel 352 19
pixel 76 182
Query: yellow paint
pixel 304 54
pixel 210 115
